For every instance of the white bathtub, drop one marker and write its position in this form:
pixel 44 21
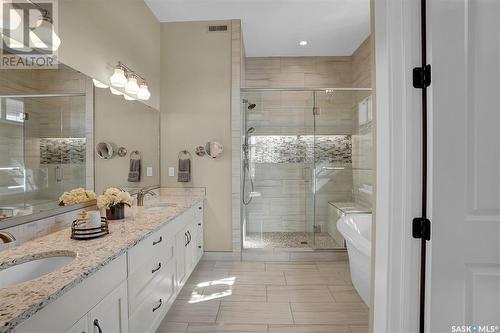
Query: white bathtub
pixel 356 229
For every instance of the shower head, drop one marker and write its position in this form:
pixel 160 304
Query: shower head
pixel 251 106
pixel 250 130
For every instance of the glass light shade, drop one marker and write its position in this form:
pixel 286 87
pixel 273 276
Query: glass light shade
pixel 143 92
pixel 132 87
pixel 128 98
pixel 115 92
pixel 99 84
pixel 118 79
pixel 43 35
pixel 14 18
pixel 13 43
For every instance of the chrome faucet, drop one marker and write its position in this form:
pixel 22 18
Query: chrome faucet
pixel 141 194
pixel 7 237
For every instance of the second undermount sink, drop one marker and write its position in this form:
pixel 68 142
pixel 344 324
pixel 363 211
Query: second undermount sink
pixel 159 206
pixel 33 269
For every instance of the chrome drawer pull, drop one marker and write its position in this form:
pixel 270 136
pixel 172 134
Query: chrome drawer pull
pixel 158 306
pixel 96 324
pixel 158 241
pixel 154 270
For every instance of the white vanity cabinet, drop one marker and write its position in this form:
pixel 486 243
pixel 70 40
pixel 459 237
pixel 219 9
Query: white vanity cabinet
pixel 159 266
pixel 101 296
pixel 108 316
pixel 133 292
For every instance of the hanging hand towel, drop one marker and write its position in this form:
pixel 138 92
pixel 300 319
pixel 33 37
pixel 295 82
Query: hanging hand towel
pixel 184 173
pixel 134 174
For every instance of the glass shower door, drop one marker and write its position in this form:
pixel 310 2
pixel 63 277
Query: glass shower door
pixel 54 142
pixel 279 129
pixel 12 178
pixel 342 169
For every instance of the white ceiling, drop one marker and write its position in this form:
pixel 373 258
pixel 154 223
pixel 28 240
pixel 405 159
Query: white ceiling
pixel 275 27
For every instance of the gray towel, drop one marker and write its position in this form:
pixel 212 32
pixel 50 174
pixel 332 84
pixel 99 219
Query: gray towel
pixel 184 173
pixel 134 173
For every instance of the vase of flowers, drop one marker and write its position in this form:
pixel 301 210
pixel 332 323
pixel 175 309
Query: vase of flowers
pixel 76 196
pixel 114 201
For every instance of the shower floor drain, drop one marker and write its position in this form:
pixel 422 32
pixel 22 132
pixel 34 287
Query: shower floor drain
pixel 303 242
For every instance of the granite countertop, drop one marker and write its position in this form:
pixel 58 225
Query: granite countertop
pixel 21 301
pixel 351 207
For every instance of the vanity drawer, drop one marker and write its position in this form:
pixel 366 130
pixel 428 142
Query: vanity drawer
pixel 156 244
pixel 152 270
pixel 158 299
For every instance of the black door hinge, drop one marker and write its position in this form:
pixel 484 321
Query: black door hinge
pixel 422 77
pixel 421 228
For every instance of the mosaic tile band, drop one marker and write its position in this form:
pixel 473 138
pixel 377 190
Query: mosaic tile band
pixel 301 149
pixel 62 150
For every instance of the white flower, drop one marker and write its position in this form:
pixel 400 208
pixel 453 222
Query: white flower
pixel 113 196
pixel 75 196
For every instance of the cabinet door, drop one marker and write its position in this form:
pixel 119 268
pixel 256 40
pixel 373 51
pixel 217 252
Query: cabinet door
pixel 180 256
pixel 110 315
pixel 82 326
pixel 199 239
pixel 191 248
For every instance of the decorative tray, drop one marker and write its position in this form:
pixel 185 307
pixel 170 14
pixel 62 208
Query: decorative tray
pixel 78 230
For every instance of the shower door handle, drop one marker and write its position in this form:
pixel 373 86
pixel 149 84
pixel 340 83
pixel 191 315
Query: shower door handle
pixel 58 174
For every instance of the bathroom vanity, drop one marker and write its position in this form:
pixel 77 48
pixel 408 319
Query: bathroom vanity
pixel 123 282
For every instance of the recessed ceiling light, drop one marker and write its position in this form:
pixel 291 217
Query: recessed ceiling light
pixel 303 43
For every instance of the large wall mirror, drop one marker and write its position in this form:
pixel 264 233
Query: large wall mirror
pixel 50 123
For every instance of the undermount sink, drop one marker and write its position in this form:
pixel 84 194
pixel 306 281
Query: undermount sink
pixel 33 269
pixel 159 206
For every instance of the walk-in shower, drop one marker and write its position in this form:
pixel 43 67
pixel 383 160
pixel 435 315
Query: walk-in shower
pixel 306 162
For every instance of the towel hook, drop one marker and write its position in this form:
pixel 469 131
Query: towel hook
pixel 135 153
pixel 182 153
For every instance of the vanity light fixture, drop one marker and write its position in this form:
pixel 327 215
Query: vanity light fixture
pixel 143 92
pixel 118 79
pixel 303 43
pixel 132 87
pixel 124 77
pixel 43 36
pixel 99 84
pixel 115 92
pixel 14 18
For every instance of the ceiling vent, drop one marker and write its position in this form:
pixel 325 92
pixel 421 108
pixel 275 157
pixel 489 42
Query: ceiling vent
pixel 217 28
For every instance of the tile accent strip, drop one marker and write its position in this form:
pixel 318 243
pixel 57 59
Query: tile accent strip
pixel 301 149
pixel 62 150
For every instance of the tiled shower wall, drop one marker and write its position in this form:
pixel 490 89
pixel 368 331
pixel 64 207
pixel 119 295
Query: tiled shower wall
pixel 362 138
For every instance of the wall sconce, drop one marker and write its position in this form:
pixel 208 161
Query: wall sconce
pixel 124 77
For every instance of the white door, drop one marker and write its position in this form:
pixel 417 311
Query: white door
pixel 464 261
pixel 110 314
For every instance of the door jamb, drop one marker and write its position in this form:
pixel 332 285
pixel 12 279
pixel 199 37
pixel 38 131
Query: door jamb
pixel 395 264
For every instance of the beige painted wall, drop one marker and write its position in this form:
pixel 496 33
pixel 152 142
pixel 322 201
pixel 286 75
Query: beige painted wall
pixel 119 30
pixel 196 108
pixel 128 124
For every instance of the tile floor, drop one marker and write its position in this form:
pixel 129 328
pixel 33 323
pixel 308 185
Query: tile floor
pixel 283 240
pixel 270 297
